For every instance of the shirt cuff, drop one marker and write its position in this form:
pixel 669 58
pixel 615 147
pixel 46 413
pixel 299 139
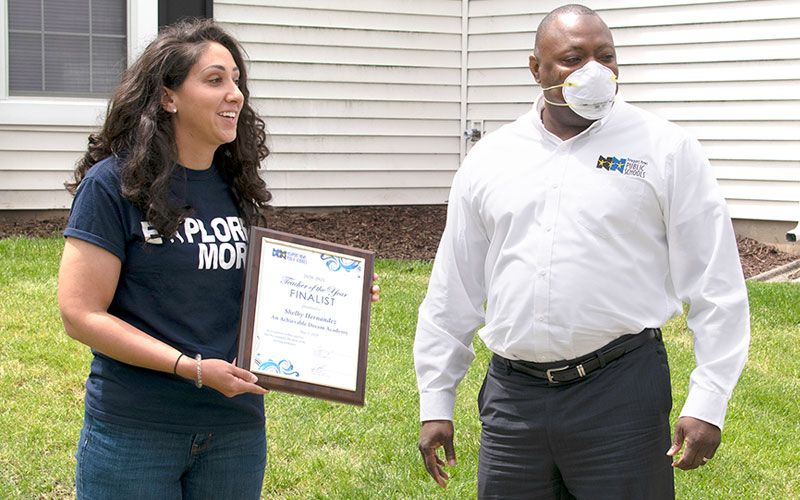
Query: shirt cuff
pixel 706 406
pixel 437 405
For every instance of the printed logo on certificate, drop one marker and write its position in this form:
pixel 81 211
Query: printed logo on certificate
pixel 305 315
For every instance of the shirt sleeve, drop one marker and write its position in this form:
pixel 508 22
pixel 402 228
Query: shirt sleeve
pixel 707 275
pixel 97 214
pixel 453 308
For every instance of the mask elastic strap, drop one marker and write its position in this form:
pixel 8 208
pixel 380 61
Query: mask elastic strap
pixel 556 103
pixel 573 84
pixel 565 84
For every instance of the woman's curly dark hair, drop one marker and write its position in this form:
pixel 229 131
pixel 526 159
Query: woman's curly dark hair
pixel 139 132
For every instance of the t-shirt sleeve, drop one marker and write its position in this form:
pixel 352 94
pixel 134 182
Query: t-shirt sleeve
pixel 98 215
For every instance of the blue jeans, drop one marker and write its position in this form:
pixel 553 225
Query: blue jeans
pixel 121 462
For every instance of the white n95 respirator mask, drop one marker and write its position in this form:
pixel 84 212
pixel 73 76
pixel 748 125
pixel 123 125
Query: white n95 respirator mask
pixel 590 91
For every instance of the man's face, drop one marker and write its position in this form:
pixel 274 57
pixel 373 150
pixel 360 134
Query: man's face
pixel 569 43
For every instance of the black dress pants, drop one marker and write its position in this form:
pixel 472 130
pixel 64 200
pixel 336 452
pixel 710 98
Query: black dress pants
pixel 602 437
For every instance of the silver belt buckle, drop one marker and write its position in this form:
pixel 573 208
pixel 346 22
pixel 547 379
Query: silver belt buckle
pixel 549 374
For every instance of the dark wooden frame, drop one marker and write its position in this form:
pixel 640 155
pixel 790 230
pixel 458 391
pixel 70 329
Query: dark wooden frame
pixel 249 300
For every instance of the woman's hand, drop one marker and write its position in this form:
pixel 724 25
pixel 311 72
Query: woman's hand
pixel 375 289
pixel 221 376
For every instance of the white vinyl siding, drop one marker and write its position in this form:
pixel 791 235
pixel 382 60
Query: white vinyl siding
pixel 361 98
pixel 34 163
pixel 729 72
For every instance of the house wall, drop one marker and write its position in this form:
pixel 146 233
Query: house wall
pixel 729 72
pixel 41 138
pixel 366 101
pixel 361 98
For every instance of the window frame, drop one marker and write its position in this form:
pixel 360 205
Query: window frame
pixel 142 27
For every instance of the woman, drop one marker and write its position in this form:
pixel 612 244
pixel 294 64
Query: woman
pixel 169 181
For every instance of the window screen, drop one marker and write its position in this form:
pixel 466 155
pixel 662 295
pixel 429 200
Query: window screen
pixel 66 47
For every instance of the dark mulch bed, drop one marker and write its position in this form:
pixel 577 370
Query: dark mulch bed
pixel 396 232
pixel 32 228
pixel 757 257
pixel 405 232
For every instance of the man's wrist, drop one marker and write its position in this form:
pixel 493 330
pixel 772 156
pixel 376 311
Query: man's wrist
pixel 707 406
pixel 437 405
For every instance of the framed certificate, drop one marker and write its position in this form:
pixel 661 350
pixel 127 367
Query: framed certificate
pixel 305 316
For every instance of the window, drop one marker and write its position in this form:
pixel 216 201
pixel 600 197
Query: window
pixel 170 11
pixel 66 47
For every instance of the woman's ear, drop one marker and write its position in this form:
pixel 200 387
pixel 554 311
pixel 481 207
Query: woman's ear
pixel 168 100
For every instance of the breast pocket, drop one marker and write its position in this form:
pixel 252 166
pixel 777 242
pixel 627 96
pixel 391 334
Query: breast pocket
pixel 610 203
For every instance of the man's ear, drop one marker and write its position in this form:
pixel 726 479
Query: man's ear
pixel 534 67
pixel 167 100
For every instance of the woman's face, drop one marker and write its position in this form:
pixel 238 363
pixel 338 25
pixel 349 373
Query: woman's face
pixel 205 108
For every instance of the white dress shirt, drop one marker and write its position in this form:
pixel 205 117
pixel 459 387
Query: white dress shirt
pixel 571 244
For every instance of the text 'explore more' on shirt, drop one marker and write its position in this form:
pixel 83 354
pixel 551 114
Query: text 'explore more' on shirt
pixel 184 290
pixel 571 244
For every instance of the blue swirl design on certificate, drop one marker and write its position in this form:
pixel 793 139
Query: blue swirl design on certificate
pixel 339 263
pixel 283 367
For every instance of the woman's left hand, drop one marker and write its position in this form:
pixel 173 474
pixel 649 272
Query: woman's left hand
pixel 218 374
pixel 376 290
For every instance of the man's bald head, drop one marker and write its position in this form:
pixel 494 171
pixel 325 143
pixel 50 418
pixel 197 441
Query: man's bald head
pixel 571 9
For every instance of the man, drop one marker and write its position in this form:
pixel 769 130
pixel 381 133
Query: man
pixel 573 234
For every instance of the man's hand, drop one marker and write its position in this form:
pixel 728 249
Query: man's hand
pixel 432 435
pixel 702 440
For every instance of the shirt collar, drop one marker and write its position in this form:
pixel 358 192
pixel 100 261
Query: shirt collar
pixel 536 119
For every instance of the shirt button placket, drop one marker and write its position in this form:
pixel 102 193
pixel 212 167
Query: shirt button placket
pixel 541 306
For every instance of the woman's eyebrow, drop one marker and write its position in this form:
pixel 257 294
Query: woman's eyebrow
pixel 219 67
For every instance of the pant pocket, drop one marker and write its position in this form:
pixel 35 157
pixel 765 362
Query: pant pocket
pixel 481 392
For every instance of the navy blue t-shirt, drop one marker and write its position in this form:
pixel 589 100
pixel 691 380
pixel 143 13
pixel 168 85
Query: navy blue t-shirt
pixel 185 291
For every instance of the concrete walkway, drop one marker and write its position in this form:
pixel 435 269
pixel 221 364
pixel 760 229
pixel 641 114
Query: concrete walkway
pixel 787 272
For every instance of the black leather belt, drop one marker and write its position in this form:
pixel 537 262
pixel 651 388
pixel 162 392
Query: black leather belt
pixel 579 368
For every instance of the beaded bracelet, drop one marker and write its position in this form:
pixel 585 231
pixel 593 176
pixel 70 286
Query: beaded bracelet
pixel 199 382
pixel 175 368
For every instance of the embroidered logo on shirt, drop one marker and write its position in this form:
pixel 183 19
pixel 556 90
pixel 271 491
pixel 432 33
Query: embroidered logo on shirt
pixel 625 166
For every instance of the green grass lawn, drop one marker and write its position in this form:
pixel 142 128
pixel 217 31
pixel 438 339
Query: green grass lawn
pixel 319 449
